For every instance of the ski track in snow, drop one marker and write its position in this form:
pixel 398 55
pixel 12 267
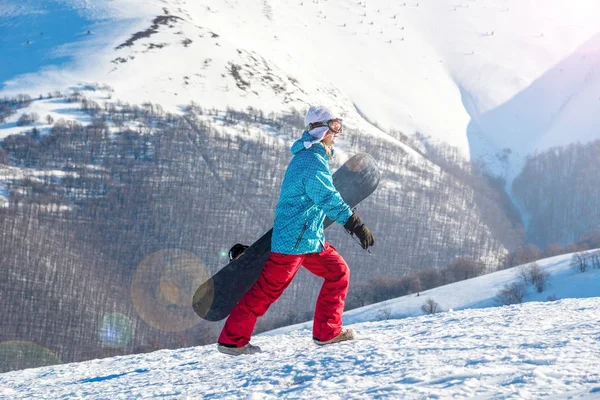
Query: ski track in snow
pixel 534 350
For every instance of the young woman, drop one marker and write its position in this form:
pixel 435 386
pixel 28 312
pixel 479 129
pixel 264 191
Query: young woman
pixel 307 197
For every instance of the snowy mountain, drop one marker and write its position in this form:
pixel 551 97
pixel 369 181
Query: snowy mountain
pixel 532 350
pixel 156 128
pixel 480 75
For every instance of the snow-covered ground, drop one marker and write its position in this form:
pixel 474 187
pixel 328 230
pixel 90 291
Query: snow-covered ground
pixel 481 75
pixel 481 292
pixel 531 351
pixel 538 349
pixel 55 108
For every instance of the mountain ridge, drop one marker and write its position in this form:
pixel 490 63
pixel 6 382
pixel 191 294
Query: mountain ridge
pixel 404 66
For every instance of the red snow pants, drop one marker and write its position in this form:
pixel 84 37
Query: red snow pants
pixel 278 272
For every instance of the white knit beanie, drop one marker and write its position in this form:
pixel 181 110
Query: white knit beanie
pixel 317 114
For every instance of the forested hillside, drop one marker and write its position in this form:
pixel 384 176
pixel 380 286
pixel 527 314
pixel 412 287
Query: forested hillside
pixel 560 191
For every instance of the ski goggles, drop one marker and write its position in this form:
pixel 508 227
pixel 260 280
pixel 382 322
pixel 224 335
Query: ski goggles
pixel 334 125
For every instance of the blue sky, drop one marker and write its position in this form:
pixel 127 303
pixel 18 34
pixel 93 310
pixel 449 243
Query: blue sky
pixel 45 31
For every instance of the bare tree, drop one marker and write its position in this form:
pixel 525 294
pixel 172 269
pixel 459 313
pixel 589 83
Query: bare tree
pixel 430 278
pixel 552 250
pixel 25 119
pixel 383 313
pixel 590 240
pixel 595 259
pixel 359 295
pixel 414 284
pixel 3 157
pixel 578 261
pixel 523 273
pixel 430 307
pixel 385 289
pixel 513 293
pixel 523 255
pixel 538 277
pixel 465 268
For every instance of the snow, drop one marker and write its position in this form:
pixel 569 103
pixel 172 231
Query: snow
pixel 3 196
pixel 480 75
pixel 480 292
pixel 56 108
pixel 537 349
pixel 529 351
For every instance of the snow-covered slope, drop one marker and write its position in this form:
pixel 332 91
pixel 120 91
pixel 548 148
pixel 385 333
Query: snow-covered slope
pixel 481 292
pixel 482 75
pixel 531 351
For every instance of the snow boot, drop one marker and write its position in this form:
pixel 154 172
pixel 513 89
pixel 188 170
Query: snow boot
pixel 238 351
pixel 345 334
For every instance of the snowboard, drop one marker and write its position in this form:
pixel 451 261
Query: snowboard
pixel 216 298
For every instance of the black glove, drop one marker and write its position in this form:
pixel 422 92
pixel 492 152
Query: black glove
pixel 356 227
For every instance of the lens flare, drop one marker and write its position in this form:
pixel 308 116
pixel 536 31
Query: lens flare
pixel 115 330
pixel 16 355
pixel 163 286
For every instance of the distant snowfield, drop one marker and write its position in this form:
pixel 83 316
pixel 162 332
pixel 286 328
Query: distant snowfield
pixel 531 351
pixel 481 75
pixel 55 108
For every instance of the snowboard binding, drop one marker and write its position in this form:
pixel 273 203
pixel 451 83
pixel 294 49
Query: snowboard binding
pixel 236 251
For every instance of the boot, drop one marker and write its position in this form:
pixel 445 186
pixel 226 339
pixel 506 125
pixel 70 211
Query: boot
pixel 345 334
pixel 238 351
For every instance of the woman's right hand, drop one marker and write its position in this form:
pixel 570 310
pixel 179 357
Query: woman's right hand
pixel 355 227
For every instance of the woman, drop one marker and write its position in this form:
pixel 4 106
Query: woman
pixel 307 197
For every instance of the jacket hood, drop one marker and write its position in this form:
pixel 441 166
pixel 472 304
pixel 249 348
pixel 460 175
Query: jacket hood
pixel 306 142
pixel 303 143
